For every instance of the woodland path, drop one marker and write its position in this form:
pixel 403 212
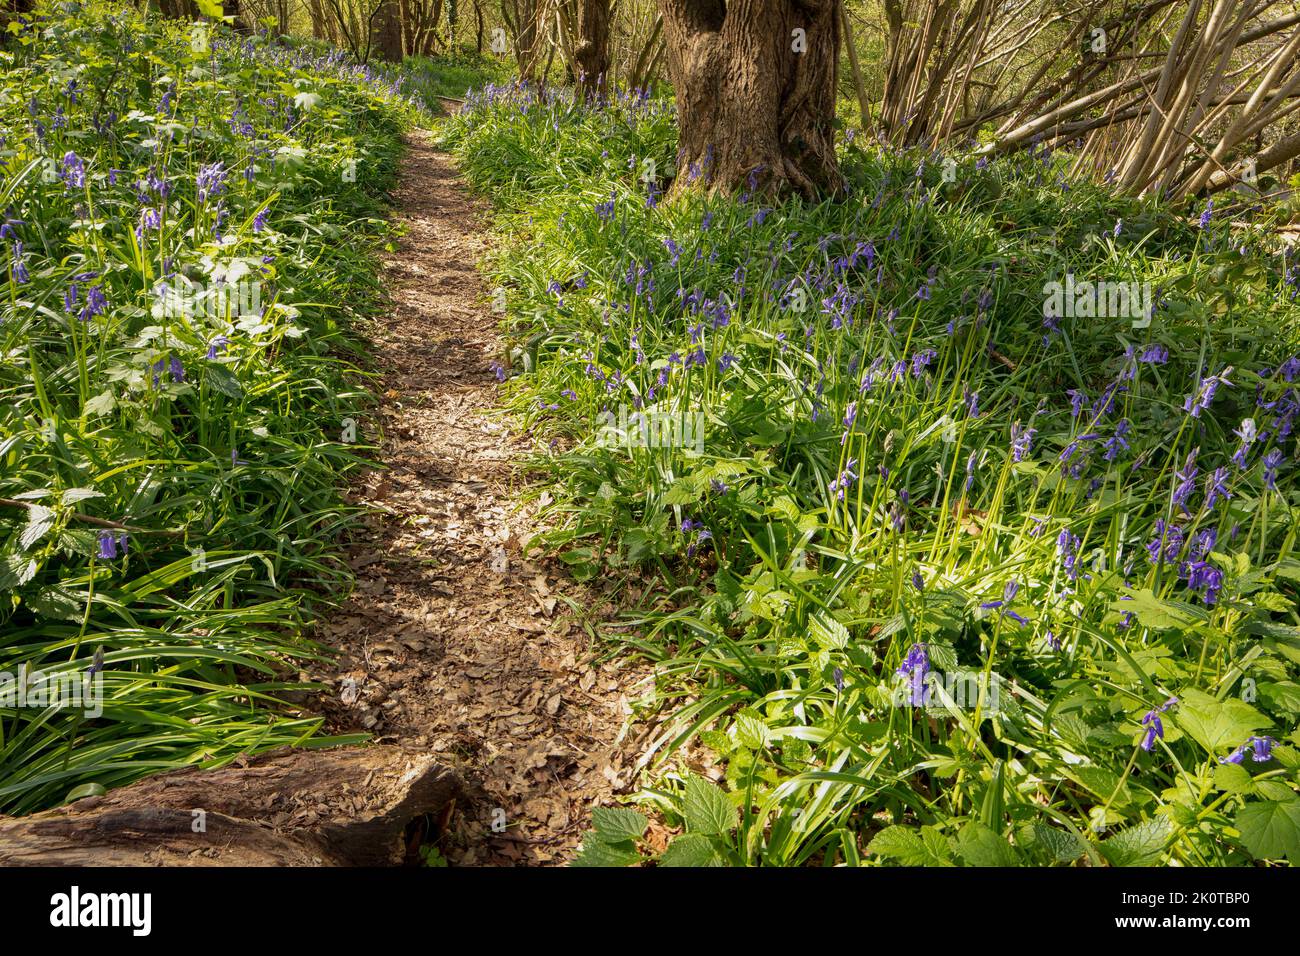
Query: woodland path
pixel 452 644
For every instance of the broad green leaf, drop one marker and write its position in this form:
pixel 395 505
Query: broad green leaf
pixel 617 824
pixel 39 521
pixel 1220 726
pixel 980 846
pixel 1270 829
pixel 1061 845
pixel 596 852
pixel 1140 845
pixel 691 849
pixel 706 808
pixel 907 847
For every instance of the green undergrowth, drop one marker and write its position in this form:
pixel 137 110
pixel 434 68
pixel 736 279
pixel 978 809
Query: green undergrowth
pixel 934 578
pixel 191 220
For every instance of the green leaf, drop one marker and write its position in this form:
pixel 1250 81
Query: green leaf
pixel 750 730
pixel 15 571
pixel 39 521
pixel 980 846
pixel 904 845
pixel 1061 845
pixel 223 380
pixel 101 404
pixel 617 825
pixel 828 632
pixel 1270 829
pixel 86 790
pixel 1154 613
pixel 1217 725
pixel 706 808
pixel 73 495
pixel 1233 778
pixel 1139 845
pixel 691 849
pixel 596 852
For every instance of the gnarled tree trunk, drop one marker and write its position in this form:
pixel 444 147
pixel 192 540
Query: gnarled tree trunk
pixel 755 87
pixel 355 806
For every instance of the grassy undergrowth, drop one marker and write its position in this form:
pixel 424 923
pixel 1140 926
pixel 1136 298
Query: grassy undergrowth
pixel 189 225
pixel 945 581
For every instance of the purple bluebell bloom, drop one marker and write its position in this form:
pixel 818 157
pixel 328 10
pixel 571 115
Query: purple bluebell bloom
pixel 916 667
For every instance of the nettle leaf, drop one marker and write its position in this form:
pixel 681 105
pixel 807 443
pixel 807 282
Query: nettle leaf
pixel 39 521
pixel 750 730
pixel 706 808
pixel 828 632
pixel 691 849
pixel 1102 783
pixel 979 845
pixel 15 571
pixel 1270 829
pixel 617 824
pixel 597 853
pixel 1140 845
pixel 904 845
pixel 1217 725
pixel 223 380
pixel 1061 845
pixel 73 495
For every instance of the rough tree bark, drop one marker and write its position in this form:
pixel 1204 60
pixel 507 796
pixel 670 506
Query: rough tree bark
pixel 360 806
pixel 388 31
pixel 592 53
pixel 755 88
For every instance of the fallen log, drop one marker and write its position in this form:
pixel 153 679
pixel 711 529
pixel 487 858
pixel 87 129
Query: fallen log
pixel 342 807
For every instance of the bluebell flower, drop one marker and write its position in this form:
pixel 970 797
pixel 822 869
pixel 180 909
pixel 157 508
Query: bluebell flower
pixel 1154 355
pixel 1261 751
pixel 1216 487
pixel 1022 441
pixel 915 667
pixel 107 546
pixel 96 303
pixel 1067 547
pixel 1186 481
pixel 74 171
pixel 844 480
pixel 1271 463
pixel 1200 400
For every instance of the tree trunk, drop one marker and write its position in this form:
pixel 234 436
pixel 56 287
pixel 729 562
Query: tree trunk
pixel 357 806
pixel 592 53
pixel 755 84
pixel 388 32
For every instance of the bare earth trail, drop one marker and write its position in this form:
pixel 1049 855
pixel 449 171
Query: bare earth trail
pixel 452 644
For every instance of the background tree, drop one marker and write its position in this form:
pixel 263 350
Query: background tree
pixel 755 83
pixel 592 53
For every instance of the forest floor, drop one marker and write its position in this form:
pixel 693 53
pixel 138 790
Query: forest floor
pixel 454 643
